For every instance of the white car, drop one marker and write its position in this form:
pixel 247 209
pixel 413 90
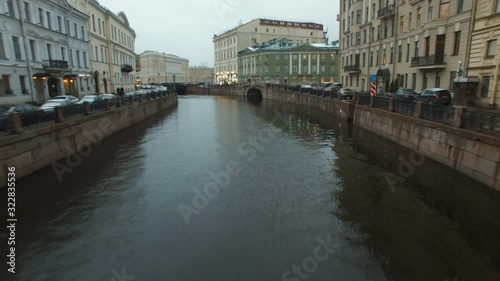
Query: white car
pixel 49 105
pixel 90 99
pixel 108 97
pixel 69 98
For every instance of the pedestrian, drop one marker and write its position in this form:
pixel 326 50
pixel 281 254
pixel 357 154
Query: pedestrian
pixel 122 91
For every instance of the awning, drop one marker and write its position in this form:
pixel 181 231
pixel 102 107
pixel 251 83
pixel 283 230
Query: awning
pixel 67 76
pixel 384 73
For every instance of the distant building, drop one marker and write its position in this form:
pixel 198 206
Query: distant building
pixel 44 51
pixel 159 67
pixel 485 52
pixel 228 44
pixel 199 74
pixel 286 62
pixel 112 47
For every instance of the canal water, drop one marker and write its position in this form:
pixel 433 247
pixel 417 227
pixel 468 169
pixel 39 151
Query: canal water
pixel 231 189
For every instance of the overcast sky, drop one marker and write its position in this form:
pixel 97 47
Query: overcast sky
pixel 186 27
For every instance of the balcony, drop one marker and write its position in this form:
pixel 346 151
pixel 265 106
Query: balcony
pixel 127 68
pixel 413 2
pixel 55 65
pixel 352 68
pixel 386 12
pixel 428 62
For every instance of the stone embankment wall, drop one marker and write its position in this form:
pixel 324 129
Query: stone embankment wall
pixel 35 149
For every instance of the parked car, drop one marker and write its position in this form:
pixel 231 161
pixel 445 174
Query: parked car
pixel 91 98
pixel 435 96
pixel 29 114
pixel 111 97
pixel 406 94
pixel 71 99
pixel 346 93
pixel 49 105
pixel 131 94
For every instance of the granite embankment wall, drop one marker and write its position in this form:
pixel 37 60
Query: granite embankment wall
pixel 38 148
pixel 474 154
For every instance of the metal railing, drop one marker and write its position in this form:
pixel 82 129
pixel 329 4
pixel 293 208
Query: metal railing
pixel 405 107
pixel 427 60
pixel 364 99
pixel 74 110
pixel 381 102
pixel 438 113
pixel 481 121
pixel 386 11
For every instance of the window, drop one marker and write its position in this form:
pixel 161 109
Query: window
pixel 75 29
pixel 32 50
pixel 409 21
pixel 78 61
pixel 492 48
pixel 376 59
pixel 59 24
pixel 99 24
pixel 408 53
pixel 497 6
pixel 323 68
pixel 40 16
pixel 10 7
pixel 444 8
pixel 358 16
pixel 391 55
pixel 460 6
pixel 373 10
pixel 456 43
pixel 313 68
pixel 82 32
pixel 416 49
pixel 364 36
pixel 429 13
pixel 2 50
pixel 304 68
pixel 63 53
pixel 358 38
pixel 256 29
pixel 485 86
pixel 413 80
pixel 71 60
pixel 22 81
pixel 364 59
pixel 438 80
pixel 49 20
pixel 419 16
pixel 400 53
pixel 401 24
pixel 294 68
pixel 277 68
pixel 49 51
pixel 267 30
pixel 17 47
pixel 93 22
pixel 96 54
pixel 384 57
pixel 27 13
pixel 424 81
pixel 371 58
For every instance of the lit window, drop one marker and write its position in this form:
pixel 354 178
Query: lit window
pixel 444 8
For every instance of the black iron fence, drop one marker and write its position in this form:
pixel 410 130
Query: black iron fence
pixel 364 99
pixel 381 102
pixel 74 110
pixel 481 121
pixel 438 113
pixel 405 107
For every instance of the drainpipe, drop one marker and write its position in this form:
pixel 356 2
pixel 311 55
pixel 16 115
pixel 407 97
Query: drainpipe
pixel 495 79
pixel 469 38
pixel 26 50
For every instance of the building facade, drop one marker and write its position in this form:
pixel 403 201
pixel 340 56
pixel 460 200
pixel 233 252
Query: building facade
pixel 198 74
pixel 43 51
pixel 286 63
pixel 228 44
pixel 112 47
pixel 485 51
pixel 412 43
pixel 159 67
